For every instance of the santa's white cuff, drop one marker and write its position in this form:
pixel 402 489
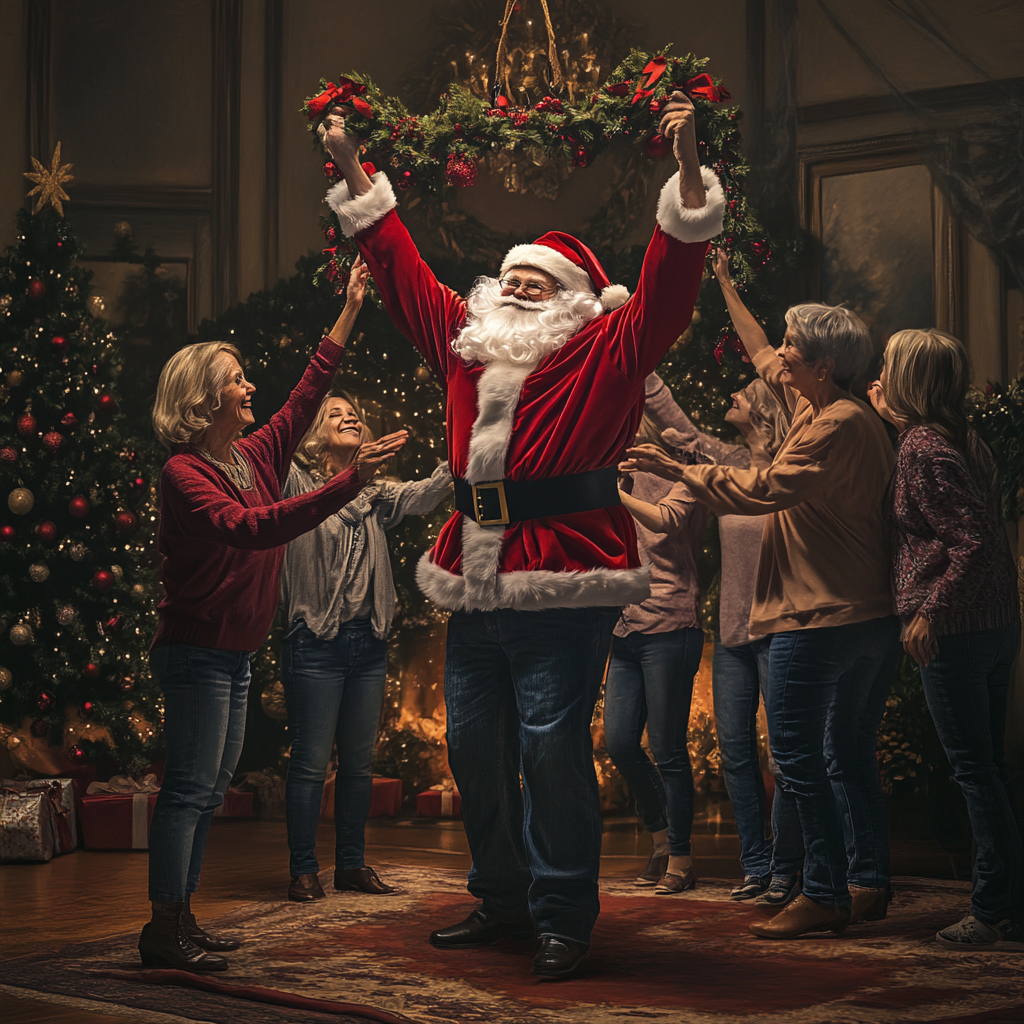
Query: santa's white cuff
pixel 688 224
pixel 358 214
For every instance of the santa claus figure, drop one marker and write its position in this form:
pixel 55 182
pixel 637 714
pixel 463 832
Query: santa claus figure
pixel 543 368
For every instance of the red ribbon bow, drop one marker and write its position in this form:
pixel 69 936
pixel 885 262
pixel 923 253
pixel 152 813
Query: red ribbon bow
pixel 346 91
pixel 703 86
pixel 654 70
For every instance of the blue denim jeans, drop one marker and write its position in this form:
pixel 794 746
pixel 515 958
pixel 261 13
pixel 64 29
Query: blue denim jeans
pixel 650 682
pixel 740 678
pixel 205 692
pixel 826 696
pixel 966 686
pixel 520 689
pixel 334 691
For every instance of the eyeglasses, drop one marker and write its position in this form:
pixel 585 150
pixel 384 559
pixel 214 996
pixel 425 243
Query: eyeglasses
pixel 530 287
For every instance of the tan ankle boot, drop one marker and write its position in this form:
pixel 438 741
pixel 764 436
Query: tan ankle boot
pixel 801 916
pixel 868 904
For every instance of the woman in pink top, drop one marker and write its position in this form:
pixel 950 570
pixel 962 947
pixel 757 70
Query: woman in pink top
pixel 222 536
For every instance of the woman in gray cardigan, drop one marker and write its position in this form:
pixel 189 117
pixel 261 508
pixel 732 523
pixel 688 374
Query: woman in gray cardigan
pixel 338 600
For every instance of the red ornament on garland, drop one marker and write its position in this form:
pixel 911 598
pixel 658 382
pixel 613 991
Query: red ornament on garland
pixel 77 755
pixel 7 534
pixel 45 701
pixel 91 671
pixel 138 484
pixel 79 506
pixel 26 424
pixel 581 157
pixel 657 147
pixel 126 522
pixel 8 455
pixel 106 404
pixel 102 579
pixel 36 289
pixel 461 171
pixel 52 441
pixel 86 710
pixel 405 180
pixel 69 420
pixel 331 172
pixel 59 343
pixel 46 531
pixel 40 728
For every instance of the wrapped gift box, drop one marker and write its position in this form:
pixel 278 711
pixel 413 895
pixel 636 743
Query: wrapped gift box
pixel 117 821
pixel 385 802
pixel 61 796
pixel 26 825
pixel 439 803
pixel 237 804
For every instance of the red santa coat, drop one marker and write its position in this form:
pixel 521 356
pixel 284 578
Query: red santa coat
pixel 577 410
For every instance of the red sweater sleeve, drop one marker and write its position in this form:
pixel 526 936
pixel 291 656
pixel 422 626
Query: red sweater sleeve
pixel 275 442
pixel 201 500
pixel 427 312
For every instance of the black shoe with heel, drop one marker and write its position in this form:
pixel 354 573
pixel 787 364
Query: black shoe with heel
pixel 481 928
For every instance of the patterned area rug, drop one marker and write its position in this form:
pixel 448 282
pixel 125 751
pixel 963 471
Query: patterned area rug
pixel 665 959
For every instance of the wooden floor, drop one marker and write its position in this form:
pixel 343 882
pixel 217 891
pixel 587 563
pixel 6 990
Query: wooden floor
pixel 91 894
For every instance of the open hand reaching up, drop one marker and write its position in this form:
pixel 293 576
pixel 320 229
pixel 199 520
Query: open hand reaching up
pixel 335 139
pixel 373 454
pixel 358 277
pixel 649 458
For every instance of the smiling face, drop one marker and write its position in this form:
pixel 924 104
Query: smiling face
pixel 799 374
pixel 342 430
pixel 738 414
pixel 528 283
pixel 234 411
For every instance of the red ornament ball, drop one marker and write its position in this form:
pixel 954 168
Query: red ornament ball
pixel 26 424
pixel 91 671
pixel 78 755
pixel 461 170
pixel 52 441
pixel 102 580
pixel 45 701
pixel 36 290
pixel 126 522
pixel 657 147
pixel 107 404
pixel 7 534
pixel 46 531
pixel 331 172
pixel 86 710
pixel 40 728
pixel 79 506
pixel 138 484
pixel 69 420
pixel 59 343
pixel 406 180
pixel 8 455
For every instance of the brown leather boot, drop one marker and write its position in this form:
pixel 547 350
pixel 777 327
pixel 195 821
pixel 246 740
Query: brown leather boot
pixel 202 938
pixel 868 904
pixel 803 915
pixel 163 943
pixel 362 879
pixel 306 889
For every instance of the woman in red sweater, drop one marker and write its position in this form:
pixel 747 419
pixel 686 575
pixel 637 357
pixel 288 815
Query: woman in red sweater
pixel 222 536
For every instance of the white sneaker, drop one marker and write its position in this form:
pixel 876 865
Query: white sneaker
pixel 972 935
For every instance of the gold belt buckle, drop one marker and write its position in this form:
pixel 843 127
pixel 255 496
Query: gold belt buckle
pixel 499 486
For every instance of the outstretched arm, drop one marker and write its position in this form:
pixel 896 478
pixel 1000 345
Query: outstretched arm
pixel 753 337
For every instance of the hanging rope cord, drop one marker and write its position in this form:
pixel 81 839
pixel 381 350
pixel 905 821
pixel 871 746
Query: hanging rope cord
pixel 501 72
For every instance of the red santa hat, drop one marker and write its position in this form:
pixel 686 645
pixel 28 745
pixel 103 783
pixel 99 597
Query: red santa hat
pixel 570 263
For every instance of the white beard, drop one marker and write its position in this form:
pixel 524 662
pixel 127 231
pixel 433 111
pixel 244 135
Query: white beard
pixel 517 331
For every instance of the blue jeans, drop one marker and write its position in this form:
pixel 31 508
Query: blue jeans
pixel 334 691
pixel 826 696
pixel 740 678
pixel 966 686
pixel 205 692
pixel 650 682
pixel 520 689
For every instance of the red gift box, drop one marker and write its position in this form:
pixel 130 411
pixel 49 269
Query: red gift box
pixel 117 821
pixel 439 803
pixel 237 804
pixel 385 802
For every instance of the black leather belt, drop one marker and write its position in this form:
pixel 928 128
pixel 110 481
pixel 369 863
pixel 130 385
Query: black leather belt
pixel 500 502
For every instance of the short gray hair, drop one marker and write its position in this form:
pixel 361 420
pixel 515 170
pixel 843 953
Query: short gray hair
pixel 831 332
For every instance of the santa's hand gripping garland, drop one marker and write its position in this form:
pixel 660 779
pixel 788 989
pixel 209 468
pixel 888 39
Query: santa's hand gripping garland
pixel 542 396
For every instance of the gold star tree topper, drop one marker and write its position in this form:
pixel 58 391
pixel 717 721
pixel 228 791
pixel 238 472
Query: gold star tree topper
pixel 48 183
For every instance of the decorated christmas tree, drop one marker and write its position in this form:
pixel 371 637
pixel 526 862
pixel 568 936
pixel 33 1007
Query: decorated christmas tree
pixel 76 581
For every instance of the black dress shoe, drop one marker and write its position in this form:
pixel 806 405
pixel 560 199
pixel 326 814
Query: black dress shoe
pixel 163 943
pixel 559 957
pixel 362 879
pixel 203 939
pixel 480 929
pixel 306 889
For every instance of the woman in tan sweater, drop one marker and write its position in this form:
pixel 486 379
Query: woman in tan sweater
pixel 823 592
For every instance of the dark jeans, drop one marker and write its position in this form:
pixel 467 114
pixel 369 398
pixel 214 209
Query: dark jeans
pixel 520 689
pixel 205 694
pixel 826 696
pixel 334 690
pixel 650 682
pixel 966 686
pixel 740 678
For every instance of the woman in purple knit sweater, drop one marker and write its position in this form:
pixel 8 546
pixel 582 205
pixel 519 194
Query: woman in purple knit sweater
pixel 222 536
pixel 956 594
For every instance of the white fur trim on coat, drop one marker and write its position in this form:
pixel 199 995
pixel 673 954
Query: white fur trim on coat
pixel 534 591
pixel 497 395
pixel 685 223
pixel 613 296
pixel 358 214
pixel 543 257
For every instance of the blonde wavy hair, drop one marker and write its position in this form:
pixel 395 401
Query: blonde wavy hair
pixel 312 451
pixel 189 391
